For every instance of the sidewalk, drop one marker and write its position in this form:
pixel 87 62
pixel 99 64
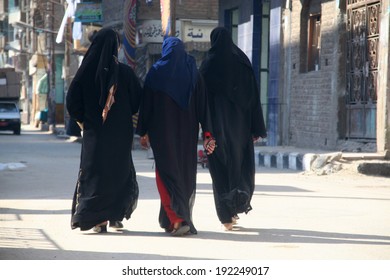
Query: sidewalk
pixel 318 161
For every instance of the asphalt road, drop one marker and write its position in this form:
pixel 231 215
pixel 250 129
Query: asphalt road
pixel 295 216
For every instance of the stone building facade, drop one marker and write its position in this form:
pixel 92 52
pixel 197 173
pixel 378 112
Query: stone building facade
pixel 341 96
pixel 315 94
pixel 326 69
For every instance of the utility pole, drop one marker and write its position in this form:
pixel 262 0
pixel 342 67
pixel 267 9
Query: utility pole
pixel 68 46
pixel 168 17
pixel 51 105
pixel 26 74
pixel 173 19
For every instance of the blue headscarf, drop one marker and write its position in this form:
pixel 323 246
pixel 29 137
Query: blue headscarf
pixel 175 73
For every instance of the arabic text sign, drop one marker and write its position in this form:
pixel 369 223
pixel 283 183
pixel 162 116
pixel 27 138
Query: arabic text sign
pixel 89 12
pixel 151 31
pixel 197 33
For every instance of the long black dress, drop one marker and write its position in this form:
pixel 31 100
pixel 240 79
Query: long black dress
pixel 106 187
pixel 173 132
pixel 236 119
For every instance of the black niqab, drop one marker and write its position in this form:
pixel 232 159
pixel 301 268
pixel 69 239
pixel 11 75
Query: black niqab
pixel 101 58
pixel 223 60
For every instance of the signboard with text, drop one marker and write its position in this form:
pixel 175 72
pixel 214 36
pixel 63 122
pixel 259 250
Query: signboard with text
pixel 89 12
pixel 197 32
pixel 150 31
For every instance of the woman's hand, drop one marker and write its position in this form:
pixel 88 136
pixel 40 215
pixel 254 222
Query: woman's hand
pixel 144 141
pixel 209 145
pixel 80 124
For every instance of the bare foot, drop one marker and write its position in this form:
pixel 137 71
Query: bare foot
pixel 228 226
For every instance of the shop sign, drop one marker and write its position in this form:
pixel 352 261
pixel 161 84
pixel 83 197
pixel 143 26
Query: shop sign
pixel 89 12
pixel 197 31
pixel 150 31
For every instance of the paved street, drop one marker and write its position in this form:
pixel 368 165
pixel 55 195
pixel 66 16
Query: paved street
pixel 296 216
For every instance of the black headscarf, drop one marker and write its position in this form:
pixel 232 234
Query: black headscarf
pixel 227 70
pixel 175 73
pixel 101 58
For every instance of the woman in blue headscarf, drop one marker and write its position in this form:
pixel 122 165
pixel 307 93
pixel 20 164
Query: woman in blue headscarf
pixel 173 104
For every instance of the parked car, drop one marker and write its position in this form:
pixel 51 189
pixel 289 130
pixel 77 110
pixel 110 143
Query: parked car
pixel 10 117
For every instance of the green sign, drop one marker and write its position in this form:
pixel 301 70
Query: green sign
pixel 89 12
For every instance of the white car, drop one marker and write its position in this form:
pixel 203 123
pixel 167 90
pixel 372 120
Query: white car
pixel 10 116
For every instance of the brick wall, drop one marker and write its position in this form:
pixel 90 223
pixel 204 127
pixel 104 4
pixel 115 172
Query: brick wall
pixel 113 11
pixel 315 94
pixel 185 9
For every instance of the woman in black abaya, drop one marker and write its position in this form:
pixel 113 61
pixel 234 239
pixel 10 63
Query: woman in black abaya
pixel 173 105
pixel 237 120
pixel 102 98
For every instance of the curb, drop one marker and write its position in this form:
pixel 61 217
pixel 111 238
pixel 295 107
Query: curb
pixel 321 163
pixel 324 163
pixel 293 160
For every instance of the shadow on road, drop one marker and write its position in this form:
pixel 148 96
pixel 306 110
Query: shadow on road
pixel 39 246
pixel 42 254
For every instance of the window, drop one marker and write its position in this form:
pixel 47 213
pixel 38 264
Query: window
pixel 264 56
pixel 314 43
pixel 231 23
pixel 234 26
pixel 13 4
pixel 8 108
pixel 310 36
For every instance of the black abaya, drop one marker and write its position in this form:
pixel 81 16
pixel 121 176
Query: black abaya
pixel 236 118
pixel 173 133
pixel 106 188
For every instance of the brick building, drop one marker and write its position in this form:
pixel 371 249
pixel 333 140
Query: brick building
pixel 316 71
pixel 322 65
pixel 338 68
pixel 194 22
pixel 27 43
